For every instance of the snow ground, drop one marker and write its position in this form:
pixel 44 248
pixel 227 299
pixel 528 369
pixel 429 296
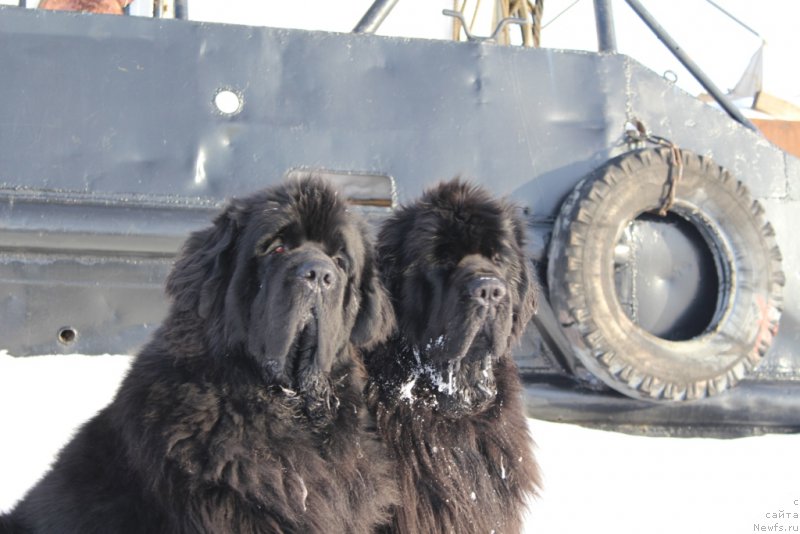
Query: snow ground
pixel 595 481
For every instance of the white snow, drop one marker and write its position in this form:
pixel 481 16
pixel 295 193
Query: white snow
pixel 594 481
pixel 443 386
pixel 42 401
pixel 304 495
pixel 406 389
pixel 451 386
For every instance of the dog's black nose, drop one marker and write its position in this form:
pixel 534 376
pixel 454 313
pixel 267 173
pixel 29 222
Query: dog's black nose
pixel 317 274
pixel 487 290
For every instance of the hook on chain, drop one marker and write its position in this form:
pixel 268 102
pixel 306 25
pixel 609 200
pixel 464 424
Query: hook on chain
pixel 636 132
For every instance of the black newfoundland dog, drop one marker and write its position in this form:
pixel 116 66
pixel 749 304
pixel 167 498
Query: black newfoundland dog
pixel 444 388
pixel 245 413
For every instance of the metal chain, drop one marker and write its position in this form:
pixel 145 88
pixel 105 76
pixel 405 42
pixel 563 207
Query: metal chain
pixel 638 133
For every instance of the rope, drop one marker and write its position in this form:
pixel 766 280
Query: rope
pixel 474 15
pixel 573 4
pixel 537 14
pixel 526 10
pixel 456 22
pixel 502 12
pixel 736 20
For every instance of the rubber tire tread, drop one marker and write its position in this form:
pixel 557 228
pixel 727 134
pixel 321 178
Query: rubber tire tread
pixel 583 295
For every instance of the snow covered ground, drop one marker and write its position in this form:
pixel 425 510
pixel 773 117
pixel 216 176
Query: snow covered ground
pixel 595 481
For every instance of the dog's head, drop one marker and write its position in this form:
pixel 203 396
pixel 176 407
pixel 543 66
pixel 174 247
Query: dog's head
pixel 285 278
pixel 462 287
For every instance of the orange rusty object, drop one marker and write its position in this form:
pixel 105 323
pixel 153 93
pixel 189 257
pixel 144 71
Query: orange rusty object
pixel 111 7
pixel 785 134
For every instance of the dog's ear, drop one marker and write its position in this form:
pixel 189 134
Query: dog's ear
pixel 201 273
pixel 528 284
pixel 390 250
pixel 375 321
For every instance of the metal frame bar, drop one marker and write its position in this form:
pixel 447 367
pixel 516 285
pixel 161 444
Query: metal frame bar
pixel 547 324
pixel 182 9
pixel 604 20
pixel 690 65
pixel 495 34
pixel 374 16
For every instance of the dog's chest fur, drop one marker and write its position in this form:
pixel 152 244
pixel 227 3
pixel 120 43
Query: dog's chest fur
pixel 470 474
pixel 254 454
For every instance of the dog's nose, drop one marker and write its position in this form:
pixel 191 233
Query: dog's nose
pixel 487 290
pixel 317 274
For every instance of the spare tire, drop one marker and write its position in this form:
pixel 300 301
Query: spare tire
pixel 581 277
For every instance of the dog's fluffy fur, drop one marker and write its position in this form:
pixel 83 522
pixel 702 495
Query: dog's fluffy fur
pixel 245 412
pixel 445 388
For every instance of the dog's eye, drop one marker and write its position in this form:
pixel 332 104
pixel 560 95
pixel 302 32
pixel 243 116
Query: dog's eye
pixel 275 246
pixel 341 261
pixel 448 265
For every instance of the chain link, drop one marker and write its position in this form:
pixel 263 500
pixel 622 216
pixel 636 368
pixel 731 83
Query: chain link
pixel 636 132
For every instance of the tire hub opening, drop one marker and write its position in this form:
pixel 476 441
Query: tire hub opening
pixel 665 276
